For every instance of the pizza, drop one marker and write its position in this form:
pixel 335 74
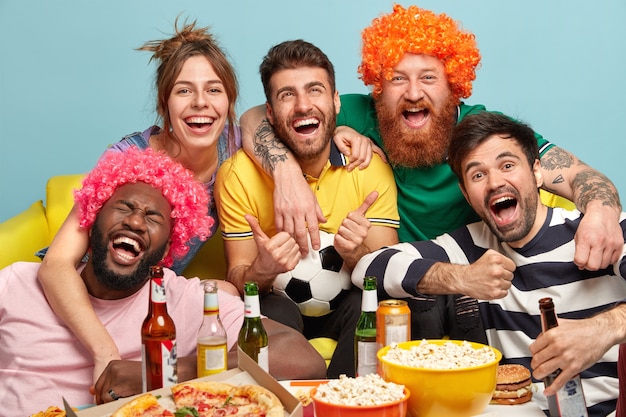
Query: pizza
pixel 52 411
pixel 207 399
pixel 212 399
pixel 146 405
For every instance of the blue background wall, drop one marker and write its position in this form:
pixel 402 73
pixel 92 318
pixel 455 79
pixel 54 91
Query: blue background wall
pixel 71 82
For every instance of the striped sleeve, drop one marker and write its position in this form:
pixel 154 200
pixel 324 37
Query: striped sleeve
pixel 400 268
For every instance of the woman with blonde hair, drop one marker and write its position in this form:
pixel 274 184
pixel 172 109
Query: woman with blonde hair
pixel 196 93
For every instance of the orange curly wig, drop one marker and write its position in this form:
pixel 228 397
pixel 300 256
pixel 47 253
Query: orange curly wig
pixel 418 31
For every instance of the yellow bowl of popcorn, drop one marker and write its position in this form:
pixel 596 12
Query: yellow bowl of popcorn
pixel 450 378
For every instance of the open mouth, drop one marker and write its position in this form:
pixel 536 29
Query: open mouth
pixel 127 248
pixel 504 208
pixel 199 122
pixel 416 117
pixel 306 126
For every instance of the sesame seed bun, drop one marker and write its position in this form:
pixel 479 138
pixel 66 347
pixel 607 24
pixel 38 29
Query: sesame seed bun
pixel 511 374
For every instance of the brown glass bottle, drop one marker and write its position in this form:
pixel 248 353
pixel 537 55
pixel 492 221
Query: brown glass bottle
pixel 569 401
pixel 158 338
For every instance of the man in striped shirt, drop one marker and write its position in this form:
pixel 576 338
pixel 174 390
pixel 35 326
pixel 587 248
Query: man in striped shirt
pixel 520 252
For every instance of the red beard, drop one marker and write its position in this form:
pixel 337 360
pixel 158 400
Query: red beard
pixel 417 148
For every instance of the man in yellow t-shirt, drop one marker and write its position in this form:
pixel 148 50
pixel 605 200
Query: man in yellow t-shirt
pixel 359 206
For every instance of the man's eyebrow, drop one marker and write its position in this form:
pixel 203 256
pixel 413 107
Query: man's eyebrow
pixel 149 212
pixel 314 84
pixel 306 86
pixel 505 154
pixel 283 89
pixel 471 165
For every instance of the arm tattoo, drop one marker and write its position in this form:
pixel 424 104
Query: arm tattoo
pixel 556 158
pixel 588 184
pixel 592 185
pixel 267 147
pixel 558 179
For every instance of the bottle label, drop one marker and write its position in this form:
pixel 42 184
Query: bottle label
pixel 212 355
pixel 396 329
pixel 168 352
pixel 369 301
pixel 571 400
pixel 366 359
pixel 264 359
pixel 251 305
pixel 211 303
pixel 159 364
pixel 157 289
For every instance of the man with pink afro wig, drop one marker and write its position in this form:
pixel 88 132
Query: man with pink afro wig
pixel 420 65
pixel 140 208
pixel 187 197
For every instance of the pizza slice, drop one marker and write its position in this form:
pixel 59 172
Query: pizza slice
pixel 211 399
pixel 145 405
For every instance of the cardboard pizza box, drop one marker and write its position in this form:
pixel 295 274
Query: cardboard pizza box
pixel 248 372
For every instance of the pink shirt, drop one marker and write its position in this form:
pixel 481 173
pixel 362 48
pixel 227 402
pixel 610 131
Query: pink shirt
pixel 41 359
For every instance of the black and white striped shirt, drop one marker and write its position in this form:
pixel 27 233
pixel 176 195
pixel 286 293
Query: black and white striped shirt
pixel 545 268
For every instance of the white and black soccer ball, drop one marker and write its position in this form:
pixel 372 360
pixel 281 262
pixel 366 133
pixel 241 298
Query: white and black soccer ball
pixel 319 282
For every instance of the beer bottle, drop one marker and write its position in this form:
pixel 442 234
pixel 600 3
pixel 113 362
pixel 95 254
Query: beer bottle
pixel 252 336
pixel 212 348
pixel 158 338
pixel 365 333
pixel 569 401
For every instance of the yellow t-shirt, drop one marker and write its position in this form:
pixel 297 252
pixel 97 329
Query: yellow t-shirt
pixel 242 188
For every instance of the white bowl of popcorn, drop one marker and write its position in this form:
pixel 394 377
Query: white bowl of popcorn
pixel 451 378
pixel 363 396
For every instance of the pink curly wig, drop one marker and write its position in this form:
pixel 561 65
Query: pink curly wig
pixel 187 197
pixel 418 31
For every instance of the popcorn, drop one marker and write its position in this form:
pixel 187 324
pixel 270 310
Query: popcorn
pixel 363 391
pixel 447 356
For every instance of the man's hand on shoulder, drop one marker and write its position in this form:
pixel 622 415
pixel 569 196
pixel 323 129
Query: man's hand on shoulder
pixel 599 238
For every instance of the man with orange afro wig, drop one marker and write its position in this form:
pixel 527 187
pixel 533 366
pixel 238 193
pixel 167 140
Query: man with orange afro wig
pixel 420 65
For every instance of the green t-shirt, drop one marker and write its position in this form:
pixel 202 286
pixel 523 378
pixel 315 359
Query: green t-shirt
pixel 430 202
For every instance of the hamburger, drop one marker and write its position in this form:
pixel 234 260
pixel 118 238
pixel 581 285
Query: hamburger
pixel 513 385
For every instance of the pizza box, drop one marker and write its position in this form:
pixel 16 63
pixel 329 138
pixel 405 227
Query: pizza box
pixel 248 372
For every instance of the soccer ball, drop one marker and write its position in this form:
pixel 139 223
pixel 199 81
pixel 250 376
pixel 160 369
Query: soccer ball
pixel 319 282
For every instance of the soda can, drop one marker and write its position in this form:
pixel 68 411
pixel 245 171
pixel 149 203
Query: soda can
pixel 393 322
